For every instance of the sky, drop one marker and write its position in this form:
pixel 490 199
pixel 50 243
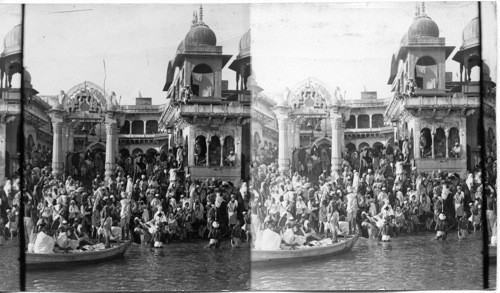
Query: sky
pixel 63 49
pixel 348 45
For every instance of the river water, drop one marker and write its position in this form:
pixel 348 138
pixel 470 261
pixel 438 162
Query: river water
pixel 176 266
pixel 9 266
pixel 405 263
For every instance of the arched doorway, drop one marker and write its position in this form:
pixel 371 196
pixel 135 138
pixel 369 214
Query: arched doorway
pixel 440 143
pixel 425 143
pixel 202 81
pixel 200 151
pixel 426 73
pixel 214 151
pixel 228 148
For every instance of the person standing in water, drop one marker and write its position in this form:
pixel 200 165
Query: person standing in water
pixel 441 227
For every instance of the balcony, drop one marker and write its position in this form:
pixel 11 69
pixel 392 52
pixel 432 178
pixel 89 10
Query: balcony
pixel 224 173
pixel 453 165
pixel 457 101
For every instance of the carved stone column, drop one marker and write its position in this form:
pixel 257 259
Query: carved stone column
pixel 71 140
pixel 208 152
pixel 111 138
pixel 282 112
pixel 297 136
pixel 3 147
pixel 336 122
pixel 433 134
pixel 221 152
pixel 447 133
pixel 57 148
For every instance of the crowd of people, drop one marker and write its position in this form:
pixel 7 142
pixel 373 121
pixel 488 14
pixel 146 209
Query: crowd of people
pixel 379 198
pixel 152 203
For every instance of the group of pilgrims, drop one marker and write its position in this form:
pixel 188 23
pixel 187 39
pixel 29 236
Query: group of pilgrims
pixel 378 199
pixel 153 203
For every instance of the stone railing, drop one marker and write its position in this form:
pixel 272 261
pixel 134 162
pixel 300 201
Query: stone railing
pixel 224 173
pixel 458 101
pixel 454 165
pixel 224 109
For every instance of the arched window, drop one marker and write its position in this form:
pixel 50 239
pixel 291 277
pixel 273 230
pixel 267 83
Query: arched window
pixel 137 151
pixel 124 153
pixel 426 73
pixel 351 124
pixel 490 140
pixel 200 151
pixel 440 143
pixel 377 120
pixel 453 138
pixel 202 81
pixel 228 148
pixel 425 143
pixel 363 121
pixel 363 145
pixel 214 148
pixel 350 147
pixel 256 140
pixel 125 128
pixel 150 154
pixel 151 126
pixel 378 145
pixel 30 144
pixel 138 127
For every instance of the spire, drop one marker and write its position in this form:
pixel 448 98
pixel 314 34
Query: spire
pixel 200 15
pixel 422 11
pixel 195 18
pixel 417 10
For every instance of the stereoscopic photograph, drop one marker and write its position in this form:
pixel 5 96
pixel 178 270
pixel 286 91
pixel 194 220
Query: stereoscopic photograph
pixel 233 146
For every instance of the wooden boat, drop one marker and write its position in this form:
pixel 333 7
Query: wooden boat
pixel 492 254
pixel 61 260
pixel 262 256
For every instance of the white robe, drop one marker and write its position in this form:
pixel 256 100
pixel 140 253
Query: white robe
pixel 44 243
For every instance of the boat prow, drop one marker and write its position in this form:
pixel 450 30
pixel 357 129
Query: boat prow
pixel 263 256
pixel 61 260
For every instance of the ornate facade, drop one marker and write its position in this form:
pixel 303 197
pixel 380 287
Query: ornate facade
pixel 438 116
pixel 206 119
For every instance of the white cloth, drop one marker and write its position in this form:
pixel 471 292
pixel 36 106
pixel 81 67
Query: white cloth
pixel 44 243
pixel 270 240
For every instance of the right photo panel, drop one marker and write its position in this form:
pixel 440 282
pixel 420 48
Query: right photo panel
pixel 373 146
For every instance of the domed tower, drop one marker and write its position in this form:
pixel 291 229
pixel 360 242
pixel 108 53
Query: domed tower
pixel 199 61
pixel 242 63
pixel 10 59
pixel 469 54
pixel 10 63
pixel 424 54
pixel 437 123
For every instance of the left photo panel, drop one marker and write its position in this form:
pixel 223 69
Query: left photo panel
pixel 136 147
pixel 10 153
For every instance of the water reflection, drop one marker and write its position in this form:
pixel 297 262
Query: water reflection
pixel 408 262
pixel 186 266
pixel 9 268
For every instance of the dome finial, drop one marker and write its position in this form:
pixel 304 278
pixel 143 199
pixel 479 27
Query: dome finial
pixel 417 10
pixel 195 18
pixel 423 9
pixel 200 16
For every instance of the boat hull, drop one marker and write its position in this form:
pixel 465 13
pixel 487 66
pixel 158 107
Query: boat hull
pixel 61 260
pixel 492 254
pixel 263 256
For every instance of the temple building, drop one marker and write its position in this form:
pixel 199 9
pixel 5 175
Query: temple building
pixel 437 116
pixel 209 122
pixel 37 129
